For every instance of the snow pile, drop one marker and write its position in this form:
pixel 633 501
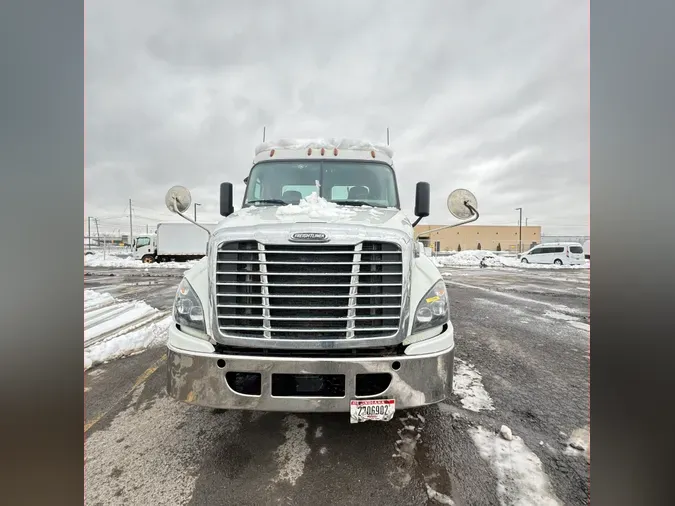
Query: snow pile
pixel 94 300
pixel 470 258
pixel 473 258
pixel 150 336
pixel 468 385
pixel 109 318
pixel 315 207
pixel 506 433
pixel 579 443
pixel 340 144
pixel 520 474
pixel 100 260
pixel 114 328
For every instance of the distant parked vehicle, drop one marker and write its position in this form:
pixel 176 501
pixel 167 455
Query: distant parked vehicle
pixel 176 242
pixel 558 253
pixel 587 249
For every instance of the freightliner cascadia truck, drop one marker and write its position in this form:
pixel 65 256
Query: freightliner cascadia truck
pixel 315 295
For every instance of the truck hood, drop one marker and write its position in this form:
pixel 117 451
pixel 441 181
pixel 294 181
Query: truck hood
pixel 268 215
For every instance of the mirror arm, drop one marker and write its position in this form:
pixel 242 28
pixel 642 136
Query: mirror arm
pixel 175 210
pixel 417 221
pixel 473 210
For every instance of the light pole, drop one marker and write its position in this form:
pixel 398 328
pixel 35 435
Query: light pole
pixel 196 204
pixel 520 230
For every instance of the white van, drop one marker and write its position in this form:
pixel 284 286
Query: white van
pixel 557 253
pixel 587 249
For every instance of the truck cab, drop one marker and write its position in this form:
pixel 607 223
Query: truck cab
pixel 315 295
pixel 144 247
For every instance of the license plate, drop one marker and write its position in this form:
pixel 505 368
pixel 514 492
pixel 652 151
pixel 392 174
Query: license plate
pixel 381 410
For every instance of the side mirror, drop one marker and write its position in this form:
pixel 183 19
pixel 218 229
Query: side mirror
pixel 462 204
pixel 422 199
pixel 178 199
pixel 226 204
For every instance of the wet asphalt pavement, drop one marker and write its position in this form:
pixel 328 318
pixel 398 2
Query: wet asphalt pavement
pixel 525 332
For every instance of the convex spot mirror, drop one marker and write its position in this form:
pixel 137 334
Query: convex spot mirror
pixel 459 202
pixel 178 199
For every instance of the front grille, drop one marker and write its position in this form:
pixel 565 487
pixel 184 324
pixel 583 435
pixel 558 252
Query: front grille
pixel 309 291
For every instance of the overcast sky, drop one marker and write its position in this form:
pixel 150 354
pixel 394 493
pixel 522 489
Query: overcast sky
pixel 492 96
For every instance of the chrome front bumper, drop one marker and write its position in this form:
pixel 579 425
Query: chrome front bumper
pixel 199 378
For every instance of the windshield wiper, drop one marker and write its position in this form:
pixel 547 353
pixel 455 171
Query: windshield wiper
pixel 268 201
pixel 356 203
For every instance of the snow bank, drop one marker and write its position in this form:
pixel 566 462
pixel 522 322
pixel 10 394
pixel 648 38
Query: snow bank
pixel 468 385
pixel 315 207
pixel 108 319
pixel 520 475
pixel 473 258
pixel 93 300
pixel 113 328
pixel 579 443
pixel 98 260
pixel 349 144
pixel 150 336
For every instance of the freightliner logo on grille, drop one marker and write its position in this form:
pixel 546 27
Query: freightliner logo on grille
pixel 309 237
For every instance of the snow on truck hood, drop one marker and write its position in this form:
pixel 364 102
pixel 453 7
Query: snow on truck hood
pixel 314 209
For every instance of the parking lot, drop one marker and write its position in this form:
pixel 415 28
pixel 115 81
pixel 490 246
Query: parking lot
pixel 522 361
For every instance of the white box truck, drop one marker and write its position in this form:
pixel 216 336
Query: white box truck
pixel 315 296
pixel 175 242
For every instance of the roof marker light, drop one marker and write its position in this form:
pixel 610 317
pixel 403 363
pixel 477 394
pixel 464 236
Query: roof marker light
pixel 335 151
pixel 309 151
pixel 372 153
pixel 323 151
pixel 271 153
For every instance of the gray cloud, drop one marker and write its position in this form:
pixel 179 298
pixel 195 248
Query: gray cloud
pixel 492 96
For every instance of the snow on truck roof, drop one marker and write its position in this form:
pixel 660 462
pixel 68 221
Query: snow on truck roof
pixel 325 147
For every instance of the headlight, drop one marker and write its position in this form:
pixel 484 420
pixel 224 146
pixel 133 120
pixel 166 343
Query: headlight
pixel 434 308
pixel 187 310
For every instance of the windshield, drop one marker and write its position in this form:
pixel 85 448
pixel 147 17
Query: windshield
pixel 142 241
pixel 343 182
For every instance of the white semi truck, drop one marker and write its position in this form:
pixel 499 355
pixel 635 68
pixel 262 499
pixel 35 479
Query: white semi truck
pixel 315 296
pixel 175 242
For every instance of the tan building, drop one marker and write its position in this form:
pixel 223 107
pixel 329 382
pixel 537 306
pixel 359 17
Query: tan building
pixel 469 237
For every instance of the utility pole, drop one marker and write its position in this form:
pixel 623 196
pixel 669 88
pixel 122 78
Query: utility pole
pixel 131 226
pixel 147 230
pixel 520 230
pixel 387 136
pixel 98 235
pixel 526 221
pixel 88 232
pixel 196 204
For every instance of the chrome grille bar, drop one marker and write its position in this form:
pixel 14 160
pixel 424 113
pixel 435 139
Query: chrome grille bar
pixel 353 289
pixel 271 295
pixel 264 291
pixel 305 263
pixel 309 307
pixel 308 252
pixel 310 330
pixel 343 285
pixel 290 318
pixel 305 273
